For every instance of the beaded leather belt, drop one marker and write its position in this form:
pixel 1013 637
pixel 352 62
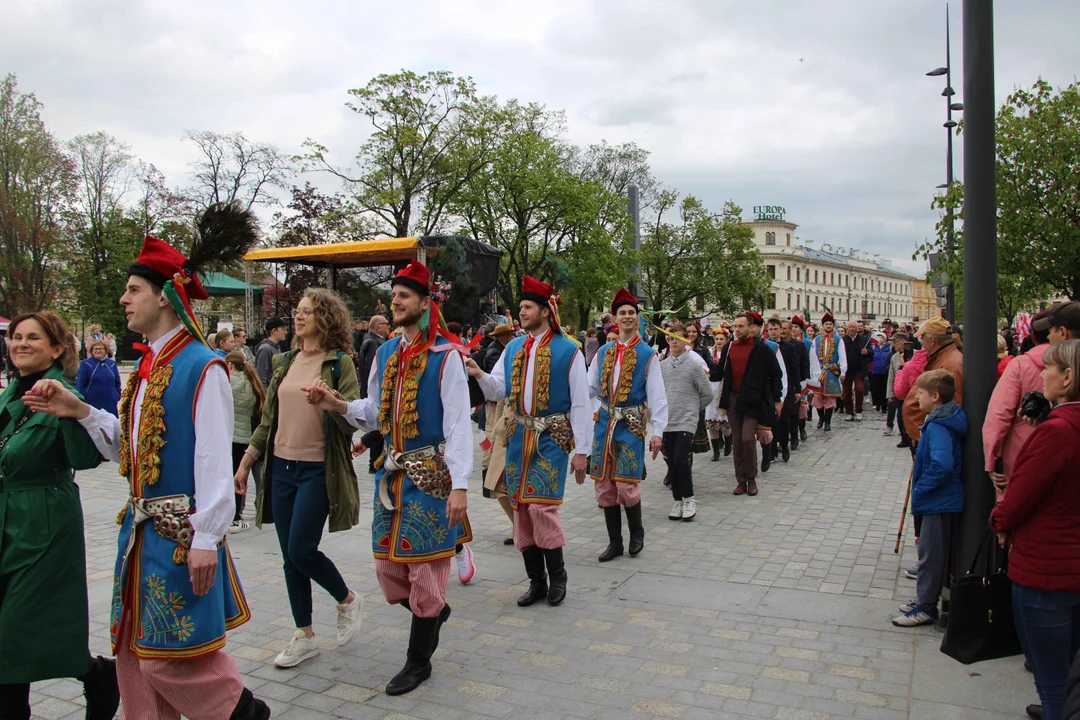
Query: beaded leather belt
pixel 635 416
pixel 425 466
pixel 558 424
pixel 171 515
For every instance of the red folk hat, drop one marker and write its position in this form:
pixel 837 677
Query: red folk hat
pixel 796 320
pixel 535 291
pixel 827 317
pixel 755 318
pixel 160 262
pixel 623 297
pixel 414 276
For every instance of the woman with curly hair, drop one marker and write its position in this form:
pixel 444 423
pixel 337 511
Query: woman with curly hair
pixel 308 476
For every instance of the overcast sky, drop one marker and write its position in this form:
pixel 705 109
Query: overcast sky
pixel 820 106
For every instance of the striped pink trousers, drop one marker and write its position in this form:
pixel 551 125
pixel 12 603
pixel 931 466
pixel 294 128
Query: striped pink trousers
pixel 202 688
pixel 423 584
pixel 538 524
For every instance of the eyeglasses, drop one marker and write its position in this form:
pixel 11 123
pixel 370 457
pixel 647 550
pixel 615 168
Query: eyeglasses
pixel 302 313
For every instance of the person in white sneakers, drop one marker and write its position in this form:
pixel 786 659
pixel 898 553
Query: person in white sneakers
pixel 688 390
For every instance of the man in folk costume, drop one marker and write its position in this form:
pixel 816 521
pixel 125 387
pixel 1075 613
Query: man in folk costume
pixel 418 399
pixel 828 363
pixel 792 332
pixel 175 589
pixel 626 378
pixel 543 377
pixel 770 451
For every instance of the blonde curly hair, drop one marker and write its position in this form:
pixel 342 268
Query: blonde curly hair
pixel 331 320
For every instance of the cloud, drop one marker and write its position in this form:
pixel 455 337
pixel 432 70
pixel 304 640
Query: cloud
pixel 822 107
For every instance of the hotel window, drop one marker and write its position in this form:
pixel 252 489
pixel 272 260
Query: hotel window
pixel 772 301
pixel 789 273
pixel 770 238
pixel 798 274
pixel 789 239
pixel 798 301
pixel 848 304
pixel 771 270
pixel 815 278
pixel 815 302
pixel 789 301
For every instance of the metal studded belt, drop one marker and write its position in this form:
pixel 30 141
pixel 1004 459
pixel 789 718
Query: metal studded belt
pixel 171 516
pixel 424 466
pixel 635 416
pixel 541 424
pixel 396 461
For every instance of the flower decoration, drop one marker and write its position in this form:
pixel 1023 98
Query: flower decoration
pixel 441 289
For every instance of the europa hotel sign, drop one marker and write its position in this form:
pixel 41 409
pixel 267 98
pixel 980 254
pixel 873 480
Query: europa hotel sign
pixel 769 212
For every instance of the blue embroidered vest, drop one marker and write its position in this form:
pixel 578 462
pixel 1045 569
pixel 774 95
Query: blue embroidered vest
pixel 617 453
pixel 830 382
pixel 151 585
pixel 416 530
pixel 535 466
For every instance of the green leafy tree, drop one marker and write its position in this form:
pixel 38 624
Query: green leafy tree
pixel 36 183
pixel 431 135
pixel 705 259
pixel 1038 162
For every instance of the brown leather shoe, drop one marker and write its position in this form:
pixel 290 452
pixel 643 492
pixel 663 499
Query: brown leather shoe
pixel 740 489
pixel 751 487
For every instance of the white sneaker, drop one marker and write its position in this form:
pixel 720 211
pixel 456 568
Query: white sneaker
pixel 238 526
pixel 676 510
pixel 889 431
pixel 858 417
pixel 689 508
pixel 465 566
pixel 349 617
pixel 300 649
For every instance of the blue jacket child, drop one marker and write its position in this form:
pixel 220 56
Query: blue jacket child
pixel 937 487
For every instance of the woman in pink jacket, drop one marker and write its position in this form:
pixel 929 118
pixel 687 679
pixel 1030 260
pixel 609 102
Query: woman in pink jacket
pixel 1004 433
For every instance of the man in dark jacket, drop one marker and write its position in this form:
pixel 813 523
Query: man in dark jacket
pixel 752 395
pixel 791 331
pixel 856 347
pixel 500 336
pixel 265 351
pixel 784 423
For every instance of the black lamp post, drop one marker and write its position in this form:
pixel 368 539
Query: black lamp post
pixel 947 93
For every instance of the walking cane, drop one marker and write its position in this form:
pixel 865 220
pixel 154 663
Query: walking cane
pixel 903 514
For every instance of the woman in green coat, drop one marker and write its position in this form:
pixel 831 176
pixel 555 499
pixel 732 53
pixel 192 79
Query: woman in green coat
pixel 44 615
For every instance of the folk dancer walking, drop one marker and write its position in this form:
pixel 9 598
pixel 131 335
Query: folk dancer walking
pixel 627 379
pixel 419 401
pixel 771 450
pixel 175 589
pixel 716 417
pixel 543 377
pixel 790 366
pixel 794 332
pixel 828 363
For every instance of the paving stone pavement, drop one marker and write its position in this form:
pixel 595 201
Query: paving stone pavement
pixel 776 606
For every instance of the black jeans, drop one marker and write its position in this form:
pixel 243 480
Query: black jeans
pixel 678 447
pixel 298 494
pixel 238 455
pixel 877 390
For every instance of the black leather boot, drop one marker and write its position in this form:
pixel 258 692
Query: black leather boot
pixel 802 430
pixel 557 571
pixel 534 567
pixel 248 707
pixel 821 418
pixel 727 445
pixel 418 658
pixel 766 458
pixel 828 420
pixel 715 442
pixel 785 452
pixel 101 690
pixel 444 615
pixel 637 530
pixel 613 519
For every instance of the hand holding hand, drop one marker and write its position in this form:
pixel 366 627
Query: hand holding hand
pixel 579 464
pixel 321 396
pixel 358 448
pixel 202 565
pixel 240 480
pixel 53 398
pixel 456 506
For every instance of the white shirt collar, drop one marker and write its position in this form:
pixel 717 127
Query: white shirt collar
pixel 158 344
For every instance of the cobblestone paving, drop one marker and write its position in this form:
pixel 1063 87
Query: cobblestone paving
pixel 770 607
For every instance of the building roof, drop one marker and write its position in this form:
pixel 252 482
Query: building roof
pixel 837 259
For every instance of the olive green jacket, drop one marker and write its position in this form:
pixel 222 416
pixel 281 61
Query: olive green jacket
pixel 342 486
pixel 42 547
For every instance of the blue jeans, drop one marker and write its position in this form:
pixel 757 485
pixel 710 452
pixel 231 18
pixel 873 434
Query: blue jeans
pixel 1048 624
pixel 298 494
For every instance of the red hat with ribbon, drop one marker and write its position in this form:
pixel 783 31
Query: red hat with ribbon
pixel 159 262
pixel 543 295
pixel 755 318
pixel 414 276
pixel 796 320
pixel 623 297
pixel 827 317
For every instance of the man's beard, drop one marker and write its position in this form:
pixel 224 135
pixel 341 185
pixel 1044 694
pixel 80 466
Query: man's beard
pixel 409 319
pixel 535 324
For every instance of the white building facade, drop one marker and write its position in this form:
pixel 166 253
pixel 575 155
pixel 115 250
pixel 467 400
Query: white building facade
pixel 807 281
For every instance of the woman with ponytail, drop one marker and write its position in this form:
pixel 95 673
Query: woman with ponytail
pixel 248 398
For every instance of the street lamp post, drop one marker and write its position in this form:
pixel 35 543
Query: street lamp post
pixel 947 93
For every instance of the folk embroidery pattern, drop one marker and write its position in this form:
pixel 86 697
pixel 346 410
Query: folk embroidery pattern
pixel 163 620
pixel 422 529
pixel 407 415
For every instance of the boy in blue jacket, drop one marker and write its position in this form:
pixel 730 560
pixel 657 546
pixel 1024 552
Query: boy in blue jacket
pixel 937 491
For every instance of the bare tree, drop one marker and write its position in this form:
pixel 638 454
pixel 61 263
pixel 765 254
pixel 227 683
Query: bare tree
pixel 232 167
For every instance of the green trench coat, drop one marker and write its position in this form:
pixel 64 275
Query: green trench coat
pixel 44 614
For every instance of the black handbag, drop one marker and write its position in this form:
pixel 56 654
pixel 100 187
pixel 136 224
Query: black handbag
pixel 980 625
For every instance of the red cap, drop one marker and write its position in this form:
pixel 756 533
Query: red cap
pixel 755 318
pixel 796 320
pixel 415 276
pixel 623 297
pixel 160 262
pixel 827 317
pixel 536 291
